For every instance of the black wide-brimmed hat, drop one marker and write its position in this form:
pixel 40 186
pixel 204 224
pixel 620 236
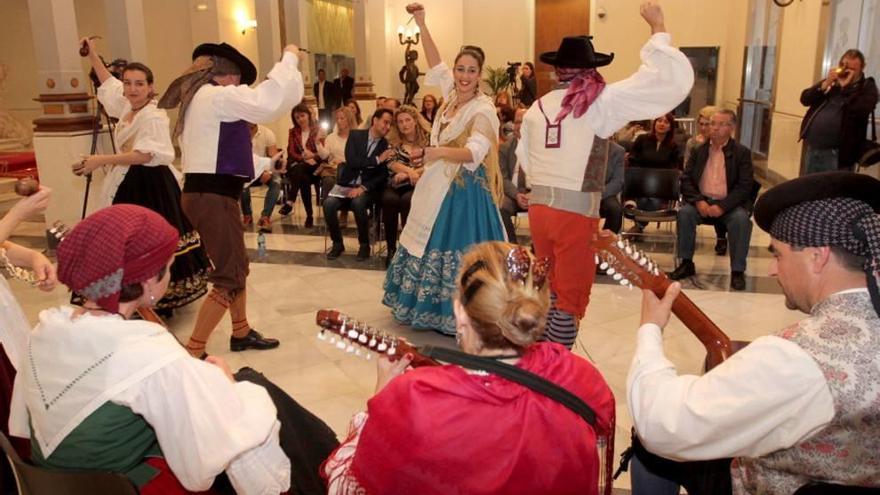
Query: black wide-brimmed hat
pixel 245 66
pixel 814 187
pixel 576 52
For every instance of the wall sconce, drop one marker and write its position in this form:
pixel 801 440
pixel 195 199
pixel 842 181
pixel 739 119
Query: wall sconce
pixel 201 7
pixel 244 22
pixel 407 36
pixel 248 24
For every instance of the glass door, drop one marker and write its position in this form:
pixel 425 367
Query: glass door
pixel 759 76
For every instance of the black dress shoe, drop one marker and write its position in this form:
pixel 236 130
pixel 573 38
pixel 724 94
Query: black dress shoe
pixel 685 269
pixel 363 252
pixel 253 340
pixel 737 280
pixel 721 247
pixel 310 222
pixel 285 210
pixel 335 251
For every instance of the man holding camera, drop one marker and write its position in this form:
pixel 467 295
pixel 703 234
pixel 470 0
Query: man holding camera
pixel 834 127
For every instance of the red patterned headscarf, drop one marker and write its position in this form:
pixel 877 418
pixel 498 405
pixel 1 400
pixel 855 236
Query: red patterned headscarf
pixel 115 246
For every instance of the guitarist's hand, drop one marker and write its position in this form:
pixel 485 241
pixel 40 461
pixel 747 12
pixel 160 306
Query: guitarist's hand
pixel 387 370
pixel 656 310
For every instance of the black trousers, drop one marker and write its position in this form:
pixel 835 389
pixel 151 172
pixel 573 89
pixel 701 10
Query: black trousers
pixel 395 203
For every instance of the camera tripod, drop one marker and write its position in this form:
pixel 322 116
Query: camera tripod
pixel 96 130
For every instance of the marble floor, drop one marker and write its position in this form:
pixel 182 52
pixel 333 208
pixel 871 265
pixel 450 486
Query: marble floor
pixel 292 280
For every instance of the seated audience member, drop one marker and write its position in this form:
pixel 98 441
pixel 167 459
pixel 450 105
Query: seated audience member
pixel 16 329
pixel 391 104
pixel 335 146
pixel 717 187
pixel 429 107
pixel 352 105
pixel 305 152
pixel 516 191
pixel 264 146
pixel 502 99
pixel 506 115
pixel 704 121
pixel 656 149
pixel 627 136
pixel 127 397
pixel 431 430
pixel 610 208
pixel 798 406
pixel 361 181
pixel 410 132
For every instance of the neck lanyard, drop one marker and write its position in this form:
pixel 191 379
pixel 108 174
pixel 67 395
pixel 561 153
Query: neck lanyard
pixel 553 133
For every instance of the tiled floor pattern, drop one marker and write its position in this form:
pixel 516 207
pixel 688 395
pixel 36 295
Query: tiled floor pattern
pixel 293 280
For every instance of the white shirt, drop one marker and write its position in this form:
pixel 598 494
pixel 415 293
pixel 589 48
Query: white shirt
pixel 663 81
pixel 335 145
pixel 148 132
pixel 320 95
pixel 768 396
pixel 212 105
pixel 262 140
pixel 204 423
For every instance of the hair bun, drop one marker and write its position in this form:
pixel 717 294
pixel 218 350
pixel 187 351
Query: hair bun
pixel 524 320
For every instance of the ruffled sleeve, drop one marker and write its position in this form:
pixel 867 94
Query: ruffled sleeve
pixel 206 424
pixel 441 75
pixel 110 94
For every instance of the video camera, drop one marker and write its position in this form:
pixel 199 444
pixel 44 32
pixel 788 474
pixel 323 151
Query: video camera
pixel 512 69
pixel 115 67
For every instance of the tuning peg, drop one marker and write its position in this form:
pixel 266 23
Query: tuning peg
pixel 392 350
pixel 643 261
pixel 353 334
pixel 611 271
pixel 362 338
pixel 620 244
pixel 373 342
pixel 322 335
pixel 628 250
pixel 382 346
pixel 617 276
pixel 603 266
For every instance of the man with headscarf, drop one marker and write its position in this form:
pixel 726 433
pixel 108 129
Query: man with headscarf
pixel 563 149
pixel 216 105
pixel 801 405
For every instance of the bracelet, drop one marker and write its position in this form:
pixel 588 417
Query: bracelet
pixel 18 272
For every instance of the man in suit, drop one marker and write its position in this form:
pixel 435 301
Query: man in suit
pixel 717 187
pixel 610 208
pixel 344 85
pixel 516 197
pixel 326 96
pixel 361 181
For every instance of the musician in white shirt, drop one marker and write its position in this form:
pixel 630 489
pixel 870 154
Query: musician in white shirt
pixel 796 406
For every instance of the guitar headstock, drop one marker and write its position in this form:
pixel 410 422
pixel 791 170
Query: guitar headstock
pixel 359 338
pixel 56 234
pixel 627 264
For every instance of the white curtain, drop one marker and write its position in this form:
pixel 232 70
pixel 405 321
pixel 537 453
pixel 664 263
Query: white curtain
pixel 331 27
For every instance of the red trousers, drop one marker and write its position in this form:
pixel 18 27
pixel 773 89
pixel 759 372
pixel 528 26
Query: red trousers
pixel 567 239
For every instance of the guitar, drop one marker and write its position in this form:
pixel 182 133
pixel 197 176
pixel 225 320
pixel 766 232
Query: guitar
pixel 347 333
pixel 631 267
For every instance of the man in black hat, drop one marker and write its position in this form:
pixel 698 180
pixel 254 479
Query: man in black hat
pixel 800 405
pixel 563 149
pixel 216 105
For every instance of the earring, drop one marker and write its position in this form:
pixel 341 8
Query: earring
pixel 458 338
pixel 152 300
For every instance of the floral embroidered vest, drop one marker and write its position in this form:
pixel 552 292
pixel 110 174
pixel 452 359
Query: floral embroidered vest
pixel 843 337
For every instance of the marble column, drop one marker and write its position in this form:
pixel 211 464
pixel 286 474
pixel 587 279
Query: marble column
pixel 363 86
pixel 296 31
pixel 127 38
pixel 64 131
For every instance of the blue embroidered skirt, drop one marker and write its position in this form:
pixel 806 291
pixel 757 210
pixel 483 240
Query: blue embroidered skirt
pixel 419 291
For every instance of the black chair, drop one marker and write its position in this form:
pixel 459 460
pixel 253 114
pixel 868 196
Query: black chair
pixel 817 488
pixel 660 183
pixel 33 480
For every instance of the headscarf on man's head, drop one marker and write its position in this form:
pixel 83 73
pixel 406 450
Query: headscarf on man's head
pixel 116 246
pixel 837 209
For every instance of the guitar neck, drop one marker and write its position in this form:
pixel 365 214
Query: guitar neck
pixel 716 342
